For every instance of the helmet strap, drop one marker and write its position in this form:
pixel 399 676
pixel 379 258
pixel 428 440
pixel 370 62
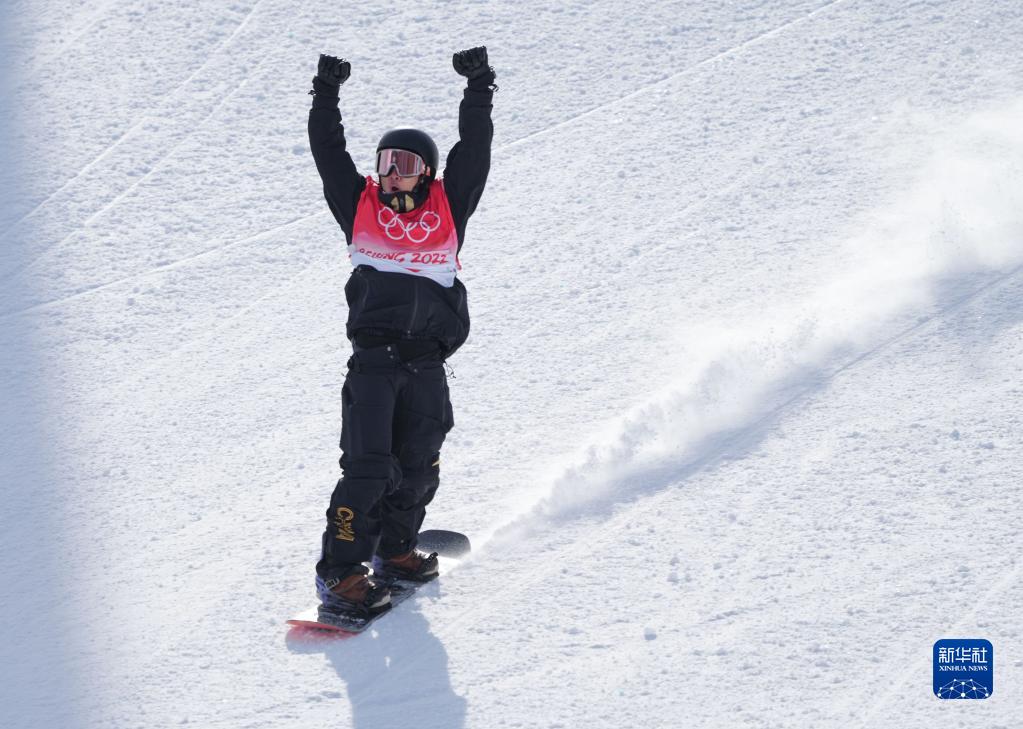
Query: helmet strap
pixel 404 202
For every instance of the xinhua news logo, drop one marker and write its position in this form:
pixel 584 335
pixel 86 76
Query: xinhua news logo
pixel 964 668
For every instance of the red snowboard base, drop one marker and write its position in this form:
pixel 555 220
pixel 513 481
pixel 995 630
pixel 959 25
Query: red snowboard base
pixel 313 626
pixel 312 631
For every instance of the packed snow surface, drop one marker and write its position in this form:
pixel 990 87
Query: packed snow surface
pixel 739 427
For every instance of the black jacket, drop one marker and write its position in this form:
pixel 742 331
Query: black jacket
pixel 384 306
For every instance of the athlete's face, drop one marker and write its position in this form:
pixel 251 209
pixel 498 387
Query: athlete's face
pixel 396 183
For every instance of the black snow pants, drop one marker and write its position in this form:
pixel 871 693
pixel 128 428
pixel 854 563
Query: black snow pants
pixel 394 417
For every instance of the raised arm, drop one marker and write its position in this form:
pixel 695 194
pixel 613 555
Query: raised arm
pixel 468 163
pixel 342 183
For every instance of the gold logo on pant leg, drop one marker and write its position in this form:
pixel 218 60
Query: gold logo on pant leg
pixel 343 524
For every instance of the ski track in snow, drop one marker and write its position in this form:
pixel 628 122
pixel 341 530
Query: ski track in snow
pixel 156 165
pixel 136 125
pixel 689 69
pixel 629 388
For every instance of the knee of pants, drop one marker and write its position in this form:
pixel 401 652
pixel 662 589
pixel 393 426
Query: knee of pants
pixel 411 498
pixel 419 477
pixel 418 436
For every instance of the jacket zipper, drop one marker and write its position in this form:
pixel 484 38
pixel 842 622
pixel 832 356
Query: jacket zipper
pixel 415 308
pixel 365 291
pixel 458 309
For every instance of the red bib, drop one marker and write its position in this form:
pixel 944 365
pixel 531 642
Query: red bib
pixel 422 242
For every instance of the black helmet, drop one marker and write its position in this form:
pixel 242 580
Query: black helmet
pixel 414 140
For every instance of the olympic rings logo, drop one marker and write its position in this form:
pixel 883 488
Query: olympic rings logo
pixel 415 231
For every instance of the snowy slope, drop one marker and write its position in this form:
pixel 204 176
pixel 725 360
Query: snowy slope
pixel 737 429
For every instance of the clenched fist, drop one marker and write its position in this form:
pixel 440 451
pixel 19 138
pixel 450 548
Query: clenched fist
pixel 471 63
pixel 333 71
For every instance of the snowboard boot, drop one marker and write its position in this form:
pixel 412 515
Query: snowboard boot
pixel 415 566
pixel 354 595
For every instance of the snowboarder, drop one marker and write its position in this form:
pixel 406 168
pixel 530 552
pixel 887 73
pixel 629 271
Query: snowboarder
pixel 407 313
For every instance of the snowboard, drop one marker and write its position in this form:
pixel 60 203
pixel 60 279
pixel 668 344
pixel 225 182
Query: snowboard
pixel 450 548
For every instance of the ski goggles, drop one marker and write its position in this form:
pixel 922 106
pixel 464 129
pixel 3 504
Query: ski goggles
pixel 407 164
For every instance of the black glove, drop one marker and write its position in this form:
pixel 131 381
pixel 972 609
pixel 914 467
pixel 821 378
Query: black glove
pixel 333 71
pixel 471 63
